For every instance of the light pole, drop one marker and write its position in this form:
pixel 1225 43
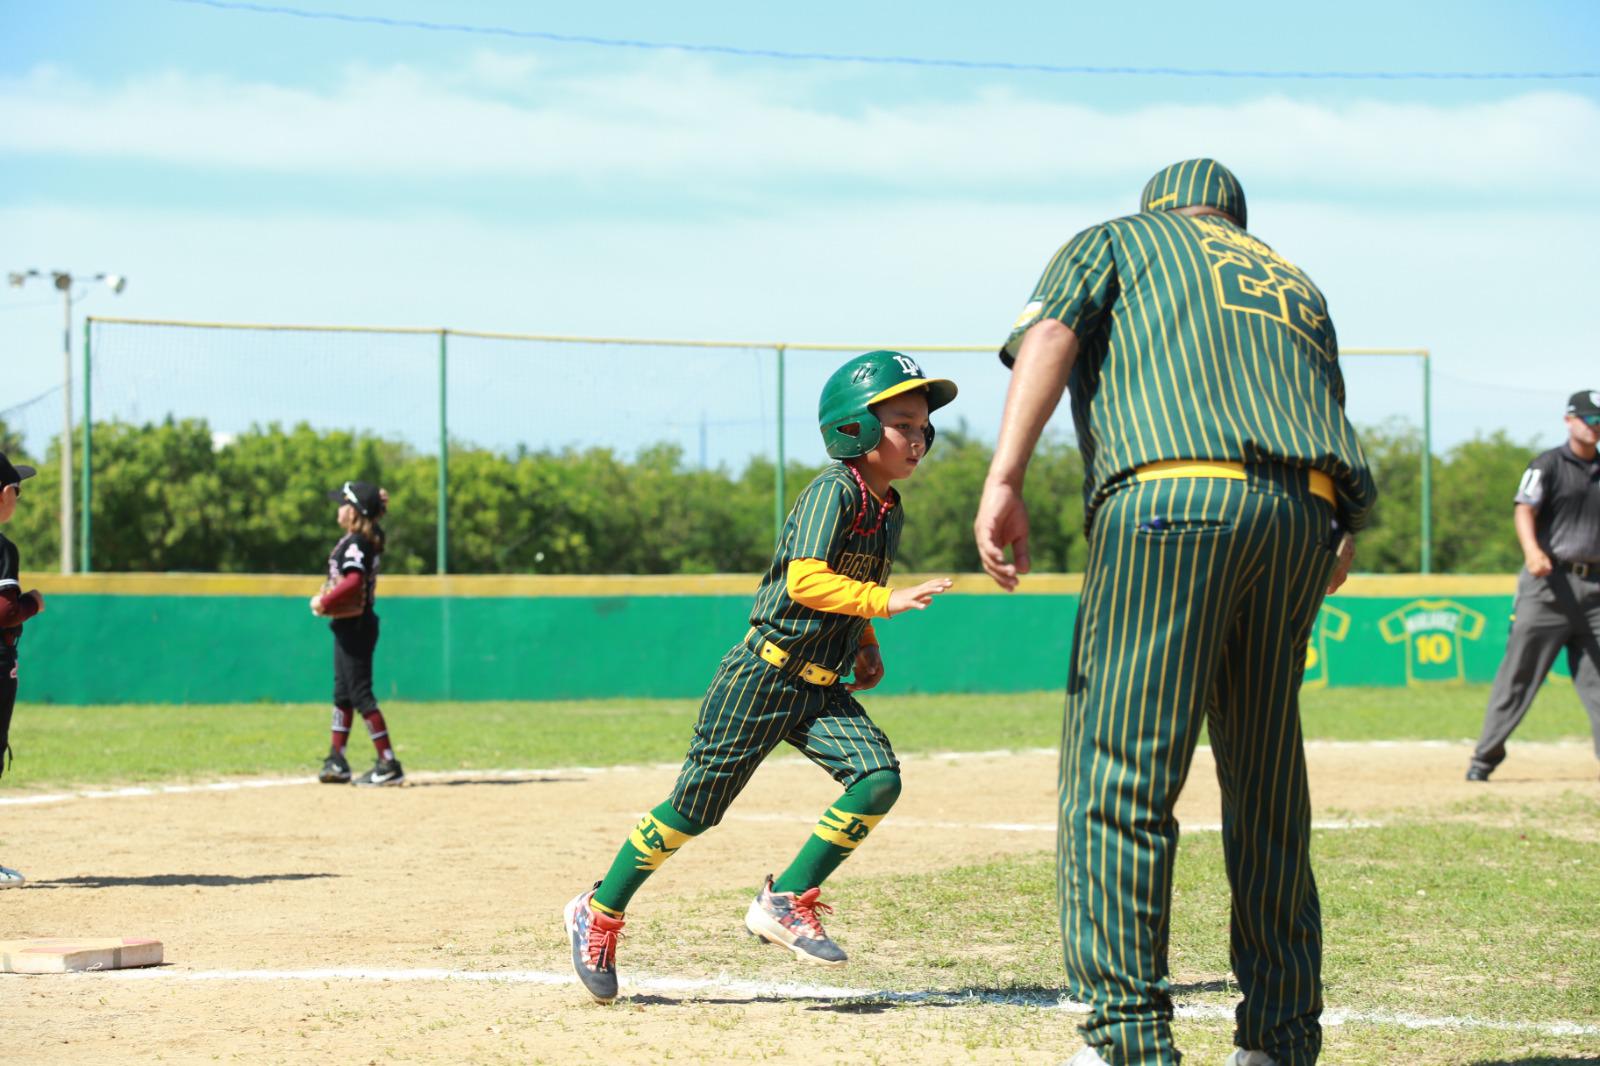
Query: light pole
pixel 63 282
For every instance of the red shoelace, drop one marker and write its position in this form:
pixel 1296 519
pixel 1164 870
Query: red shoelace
pixel 805 908
pixel 600 949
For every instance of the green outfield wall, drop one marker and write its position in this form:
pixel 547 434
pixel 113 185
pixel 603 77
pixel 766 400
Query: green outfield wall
pixel 167 638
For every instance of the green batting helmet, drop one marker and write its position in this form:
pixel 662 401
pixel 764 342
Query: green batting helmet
pixel 849 428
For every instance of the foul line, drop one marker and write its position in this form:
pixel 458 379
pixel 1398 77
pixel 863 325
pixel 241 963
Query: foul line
pixel 826 993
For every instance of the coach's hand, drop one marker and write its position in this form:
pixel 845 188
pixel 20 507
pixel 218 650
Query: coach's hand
pixel 869 669
pixel 316 605
pixel 1539 564
pixel 38 600
pixel 1341 569
pixel 1002 523
pixel 917 597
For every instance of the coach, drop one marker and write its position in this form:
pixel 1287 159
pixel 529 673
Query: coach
pixel 1557 517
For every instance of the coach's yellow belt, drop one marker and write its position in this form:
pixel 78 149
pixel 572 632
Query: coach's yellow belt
pixel 817 675
pixel 1320 484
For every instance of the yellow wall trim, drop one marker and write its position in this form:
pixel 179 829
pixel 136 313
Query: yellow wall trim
pixel 536 585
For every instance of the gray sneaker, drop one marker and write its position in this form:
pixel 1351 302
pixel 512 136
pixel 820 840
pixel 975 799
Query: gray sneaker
pixel 791 921
pixel 1087 1057
pixel 10 878
pixel 594 939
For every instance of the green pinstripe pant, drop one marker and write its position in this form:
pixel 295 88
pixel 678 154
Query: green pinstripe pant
pixel 751 708
pixel 1198 599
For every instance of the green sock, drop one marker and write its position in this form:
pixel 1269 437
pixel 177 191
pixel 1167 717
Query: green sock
pixel 841 828
pixel 652 842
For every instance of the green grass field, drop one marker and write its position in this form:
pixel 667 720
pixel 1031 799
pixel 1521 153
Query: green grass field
pixel 61 745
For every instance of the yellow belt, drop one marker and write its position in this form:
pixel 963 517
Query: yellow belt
pixel 1320 484
pixel 817 675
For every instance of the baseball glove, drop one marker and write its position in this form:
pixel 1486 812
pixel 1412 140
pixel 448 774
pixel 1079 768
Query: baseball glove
pixel 348 607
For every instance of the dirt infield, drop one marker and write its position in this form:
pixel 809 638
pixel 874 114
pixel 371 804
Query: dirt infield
pixel 255 890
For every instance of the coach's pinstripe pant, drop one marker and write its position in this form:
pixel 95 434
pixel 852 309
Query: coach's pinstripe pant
pixel 1198 599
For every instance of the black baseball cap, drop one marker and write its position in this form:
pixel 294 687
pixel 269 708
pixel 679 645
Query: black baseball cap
pixel 364 496
pixel 14 474
pixel 1584 403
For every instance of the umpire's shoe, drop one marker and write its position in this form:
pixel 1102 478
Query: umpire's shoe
pixel 1479 773
pixel 594 939
pixel 335 771
pixel 10 878
pixel 791 921
pixel 383 772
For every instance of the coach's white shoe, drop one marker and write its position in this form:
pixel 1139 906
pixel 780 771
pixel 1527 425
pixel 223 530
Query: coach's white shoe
pixel 1087 1057
pixel 1250 1058
pixel 10 878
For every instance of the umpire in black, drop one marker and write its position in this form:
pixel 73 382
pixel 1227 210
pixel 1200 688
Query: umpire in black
pixel 1558 592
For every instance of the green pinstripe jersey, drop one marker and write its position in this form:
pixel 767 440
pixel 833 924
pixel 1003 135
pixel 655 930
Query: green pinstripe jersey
pixel 820 527
pixel 1197 341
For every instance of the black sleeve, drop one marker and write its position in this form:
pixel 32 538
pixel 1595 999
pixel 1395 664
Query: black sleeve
pixel 10 570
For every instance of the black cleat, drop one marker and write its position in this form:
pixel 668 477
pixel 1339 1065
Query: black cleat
pixel 383 773
pixel 1477 773
pixel 335 771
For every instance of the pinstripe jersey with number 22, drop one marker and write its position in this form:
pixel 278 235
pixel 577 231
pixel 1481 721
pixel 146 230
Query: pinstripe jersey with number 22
pixel 1197 341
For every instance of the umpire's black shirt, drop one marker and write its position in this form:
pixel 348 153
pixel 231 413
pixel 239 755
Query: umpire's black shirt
pixel 1564 492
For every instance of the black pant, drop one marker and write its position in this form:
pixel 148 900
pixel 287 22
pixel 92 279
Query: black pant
pixel 354 641
pixel 8 701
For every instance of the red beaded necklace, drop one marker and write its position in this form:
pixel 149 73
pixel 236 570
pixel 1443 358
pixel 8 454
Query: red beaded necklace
pixel 866 505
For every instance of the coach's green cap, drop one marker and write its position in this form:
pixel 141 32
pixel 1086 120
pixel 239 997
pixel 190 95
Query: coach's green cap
pixel 1195 183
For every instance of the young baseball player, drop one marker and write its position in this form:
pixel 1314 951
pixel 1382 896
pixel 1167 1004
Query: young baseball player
pixel 16 607
pixel 811 623
pixel 347 599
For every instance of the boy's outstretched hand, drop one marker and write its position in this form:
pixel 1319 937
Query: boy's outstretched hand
pixel 917 597
pixel 869 669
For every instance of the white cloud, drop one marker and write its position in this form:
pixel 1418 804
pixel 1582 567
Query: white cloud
pixel 505 115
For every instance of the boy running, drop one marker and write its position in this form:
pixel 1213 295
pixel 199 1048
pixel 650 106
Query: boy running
pixel 811 623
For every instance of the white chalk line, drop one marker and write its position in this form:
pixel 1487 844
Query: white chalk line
pixel 797 991
pixel 428 776
pixel 1043 827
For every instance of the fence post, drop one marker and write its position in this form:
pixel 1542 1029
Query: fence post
pixel 441 561
pixel 1427 463
pixel 85 529
pixel 777 477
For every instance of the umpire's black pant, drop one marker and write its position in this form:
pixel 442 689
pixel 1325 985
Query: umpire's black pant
pixel 1560 611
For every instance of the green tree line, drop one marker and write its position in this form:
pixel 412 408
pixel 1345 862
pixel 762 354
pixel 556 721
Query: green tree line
pixel 168 497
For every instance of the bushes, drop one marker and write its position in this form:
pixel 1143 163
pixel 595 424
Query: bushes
pixel 170 496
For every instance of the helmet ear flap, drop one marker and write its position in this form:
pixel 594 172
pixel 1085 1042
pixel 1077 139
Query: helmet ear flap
pixel 927 438
pixel 853 438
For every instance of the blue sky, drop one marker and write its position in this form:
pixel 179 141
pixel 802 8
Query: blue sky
pixel 259 167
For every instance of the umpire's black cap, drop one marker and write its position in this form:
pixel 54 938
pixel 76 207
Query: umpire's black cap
pixel 14 473
pixel 1195 183
pixel 1584 403
pixel 364 496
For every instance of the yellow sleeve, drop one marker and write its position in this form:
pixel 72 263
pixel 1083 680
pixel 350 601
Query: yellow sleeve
pixel 811 584
pixel 869 639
